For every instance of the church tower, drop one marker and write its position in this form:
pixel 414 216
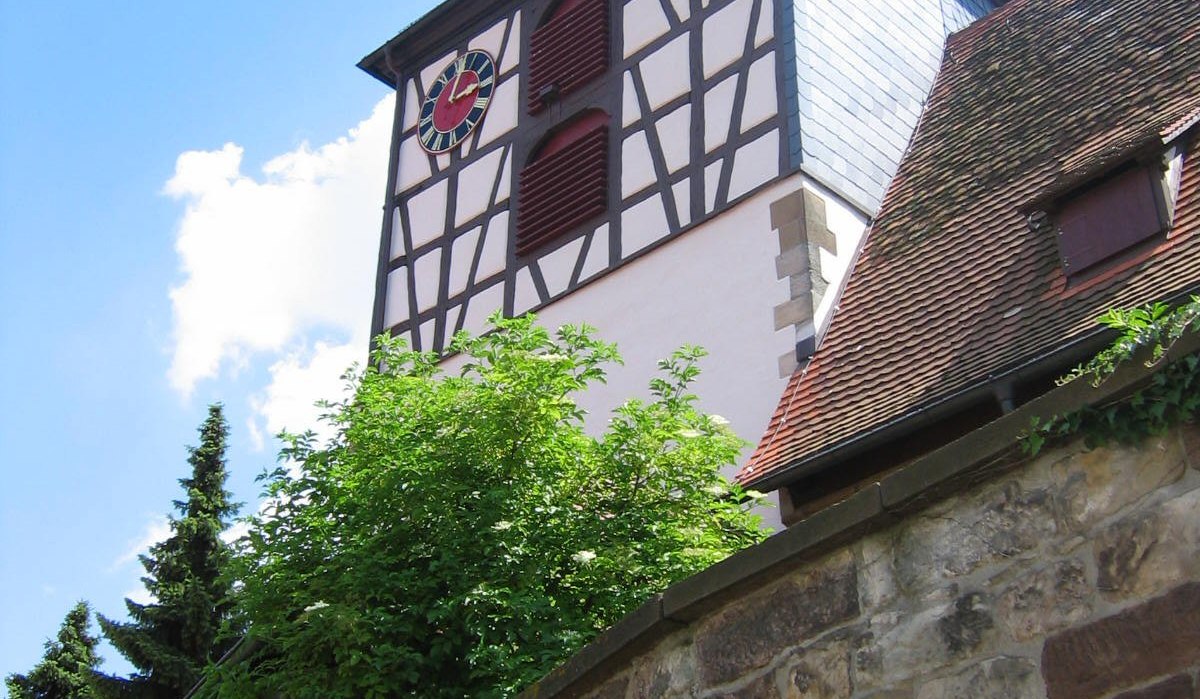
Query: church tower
pixel 671 171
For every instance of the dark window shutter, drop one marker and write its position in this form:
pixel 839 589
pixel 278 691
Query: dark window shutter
pixel 565 185
pixel 1109 218
pixel 567 51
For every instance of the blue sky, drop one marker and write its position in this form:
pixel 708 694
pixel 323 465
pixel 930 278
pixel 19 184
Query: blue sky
pixel 190 202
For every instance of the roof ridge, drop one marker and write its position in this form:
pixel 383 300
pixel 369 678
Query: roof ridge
pixel 972 30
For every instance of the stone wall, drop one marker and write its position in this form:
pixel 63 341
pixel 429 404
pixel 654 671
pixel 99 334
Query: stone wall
pixel 1072 575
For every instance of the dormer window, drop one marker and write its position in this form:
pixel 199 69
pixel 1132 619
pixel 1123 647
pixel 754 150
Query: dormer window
pixel 1107 210
pixel 569 50
pixel 565 182
pixel 1111 216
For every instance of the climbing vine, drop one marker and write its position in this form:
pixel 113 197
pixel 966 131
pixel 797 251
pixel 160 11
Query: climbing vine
pixel 1171 397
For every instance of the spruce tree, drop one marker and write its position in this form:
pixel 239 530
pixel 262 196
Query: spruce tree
pixel 67 668
pixel 172 639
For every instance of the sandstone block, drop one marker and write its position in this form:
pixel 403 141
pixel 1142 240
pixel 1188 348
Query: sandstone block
pixel 820 672
pixel 963 628
pixel 763 687
pixel 906 644
pixel 668 671
pixel 747 635
pixel 1177 687
pixel 996 678
pixel 612 689
pixel 876 579
pixel 790 262
pixel 787 209
pixel 1156 638
pixel 1150 551
pixel 795 312
pixel 1099 483
pixel 1045 601
pixel 1191 443
pixel 954 539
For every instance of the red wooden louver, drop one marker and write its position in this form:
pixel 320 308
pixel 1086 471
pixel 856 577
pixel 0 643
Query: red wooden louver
pixel 567 51
pixel 1108 218
pixel 562 189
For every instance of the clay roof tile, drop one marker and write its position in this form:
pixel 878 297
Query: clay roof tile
pixel 953 286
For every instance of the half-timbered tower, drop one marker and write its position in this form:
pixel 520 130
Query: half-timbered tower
pixel 671 171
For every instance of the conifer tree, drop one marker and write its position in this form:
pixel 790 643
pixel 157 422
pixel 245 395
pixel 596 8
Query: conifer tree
pixel 67 668
pixel 172 639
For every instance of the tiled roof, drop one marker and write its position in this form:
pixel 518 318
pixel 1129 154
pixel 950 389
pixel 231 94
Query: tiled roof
pixel 951 286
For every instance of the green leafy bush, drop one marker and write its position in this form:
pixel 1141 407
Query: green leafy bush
pixel 463 535
pixel 1157 326
pixel 1171 397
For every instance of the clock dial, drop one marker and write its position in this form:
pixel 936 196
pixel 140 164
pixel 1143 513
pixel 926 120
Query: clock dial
pixel 457 101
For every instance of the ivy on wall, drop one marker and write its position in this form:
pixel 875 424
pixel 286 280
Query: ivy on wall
pixel 1171 397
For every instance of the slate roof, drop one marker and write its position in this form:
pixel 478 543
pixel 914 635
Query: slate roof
pixel 951 287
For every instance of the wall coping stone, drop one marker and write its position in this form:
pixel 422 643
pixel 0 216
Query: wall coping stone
pixel 977 456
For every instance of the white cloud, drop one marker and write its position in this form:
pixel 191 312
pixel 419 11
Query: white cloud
pixel 256 435
pixel 140 595
pixel 235 531
pixel 276 262
pixel 156 530
pixel 300 379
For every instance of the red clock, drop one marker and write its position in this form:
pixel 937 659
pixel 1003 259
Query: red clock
pixel 457 101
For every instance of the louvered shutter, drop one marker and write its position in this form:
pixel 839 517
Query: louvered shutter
pixel 567 52
pixel 560 190
pixel 1109 218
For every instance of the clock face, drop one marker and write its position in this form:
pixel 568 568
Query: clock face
pixel 456 101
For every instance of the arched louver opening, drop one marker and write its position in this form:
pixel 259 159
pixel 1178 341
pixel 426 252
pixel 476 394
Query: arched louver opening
pixel 567 51
pixel 565 182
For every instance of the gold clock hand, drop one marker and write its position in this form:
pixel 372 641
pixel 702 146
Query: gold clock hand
pixel 466 91
pixel 458 71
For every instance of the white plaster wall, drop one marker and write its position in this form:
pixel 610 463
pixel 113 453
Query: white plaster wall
pixel 848 226
pixel 642 225
pixel 674 135
pixel 718 110
pixel 512 53
pixel 637 169
pixel 426 272
pixel 665 71
pixel 491 39
pixel 644 22
pixel 396 308
pixel 558 266
pixel 475 184
pixel 724 36
pixel 427 213
pixel 754 163
pixel 714 286
pixel 503 112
